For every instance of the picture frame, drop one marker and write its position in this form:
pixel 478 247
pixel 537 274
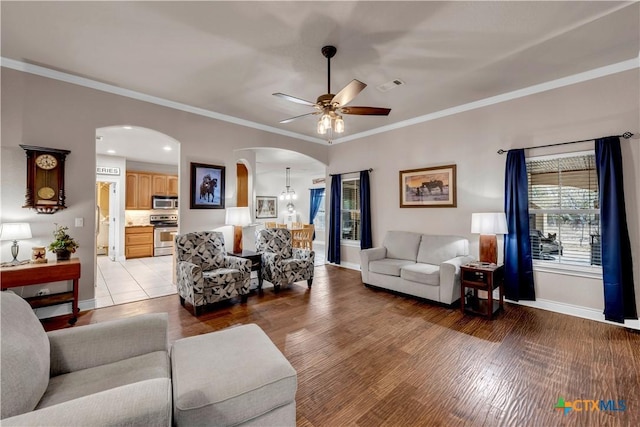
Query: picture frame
pixel 207 186
pixel 432 187
pixel 266 207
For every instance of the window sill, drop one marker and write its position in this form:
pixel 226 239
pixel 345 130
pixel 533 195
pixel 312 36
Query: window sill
pixel 351 243
pixel 591 272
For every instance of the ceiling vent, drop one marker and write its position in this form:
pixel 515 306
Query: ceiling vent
pixel 385 87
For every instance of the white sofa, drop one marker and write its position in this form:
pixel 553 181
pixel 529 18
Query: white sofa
pixel 423 265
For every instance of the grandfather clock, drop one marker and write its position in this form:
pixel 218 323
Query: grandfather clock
pixel 45 179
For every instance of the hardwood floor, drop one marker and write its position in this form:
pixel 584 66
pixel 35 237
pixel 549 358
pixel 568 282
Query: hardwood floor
pixel 367 357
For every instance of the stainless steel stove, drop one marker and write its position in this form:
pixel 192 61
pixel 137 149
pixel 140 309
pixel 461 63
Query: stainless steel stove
pixel 165 227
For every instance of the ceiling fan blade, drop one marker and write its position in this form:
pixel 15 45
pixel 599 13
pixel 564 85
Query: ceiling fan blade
pixel 348 92
pixel 290 119
pixel 294 99
pixel 366 111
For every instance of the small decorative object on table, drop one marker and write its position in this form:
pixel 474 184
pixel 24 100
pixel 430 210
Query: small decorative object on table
pixel 63 245
pixel 38 255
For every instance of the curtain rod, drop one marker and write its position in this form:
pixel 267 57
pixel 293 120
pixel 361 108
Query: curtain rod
pixel 625 135
pixel 344 173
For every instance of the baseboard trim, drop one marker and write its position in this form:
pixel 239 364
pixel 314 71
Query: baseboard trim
pixel 349 265
pixel 575 311
pixel 64 309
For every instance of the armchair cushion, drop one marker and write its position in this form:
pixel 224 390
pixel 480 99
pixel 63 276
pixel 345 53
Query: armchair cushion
pixel 25 356
pixel 84 382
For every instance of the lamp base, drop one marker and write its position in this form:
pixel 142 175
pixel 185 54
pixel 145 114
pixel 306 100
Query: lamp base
pixel 488 248
pixel 237 239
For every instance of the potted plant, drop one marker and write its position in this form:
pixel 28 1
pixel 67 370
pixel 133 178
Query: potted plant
pixel 63 245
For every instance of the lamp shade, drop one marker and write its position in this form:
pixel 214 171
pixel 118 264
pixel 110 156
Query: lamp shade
pixel 238 216
pixel 489 223
pixel 15 231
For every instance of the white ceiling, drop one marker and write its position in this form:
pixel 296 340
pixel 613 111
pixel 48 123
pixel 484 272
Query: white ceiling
pixel 230 57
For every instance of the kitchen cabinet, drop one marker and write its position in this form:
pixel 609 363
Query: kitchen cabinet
pixel 138 241
pixel 172 185
pixel 138 192
pixel 142 185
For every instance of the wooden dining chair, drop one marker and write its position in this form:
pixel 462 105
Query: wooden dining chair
pixel 303 238
pixel 281 225
pixel 270 224
pixel 295 225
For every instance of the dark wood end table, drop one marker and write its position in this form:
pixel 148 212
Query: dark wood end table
pixel 256 263
pixel 483 277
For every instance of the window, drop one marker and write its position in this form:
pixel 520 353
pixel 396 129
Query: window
pixel 564 217
pixel 318 221
pixel 350 212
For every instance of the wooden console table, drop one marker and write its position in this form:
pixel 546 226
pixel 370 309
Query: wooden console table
pixel 36 274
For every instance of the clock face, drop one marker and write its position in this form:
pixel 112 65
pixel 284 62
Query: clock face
pixel 46 161
pixel 46 193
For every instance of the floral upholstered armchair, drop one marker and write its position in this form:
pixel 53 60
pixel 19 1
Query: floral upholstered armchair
pixel 283 264
pixel 205 273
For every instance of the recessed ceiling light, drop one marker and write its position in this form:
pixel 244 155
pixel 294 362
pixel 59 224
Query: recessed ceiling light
pixel 111 151
pixel 166 148
pixel 127 127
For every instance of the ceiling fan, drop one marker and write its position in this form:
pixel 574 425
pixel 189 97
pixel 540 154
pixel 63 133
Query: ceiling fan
pixel 330 106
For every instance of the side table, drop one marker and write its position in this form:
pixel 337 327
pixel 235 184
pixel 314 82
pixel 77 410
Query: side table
pixel 484 277
pixel 36 274
pixel 256 263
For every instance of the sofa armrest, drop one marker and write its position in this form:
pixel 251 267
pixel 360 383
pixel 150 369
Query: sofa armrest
pixel 368 255
pixel 145 403
pixel 450 278
pixel 97 344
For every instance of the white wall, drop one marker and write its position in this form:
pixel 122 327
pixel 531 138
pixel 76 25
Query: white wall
pixel 601 107
pixel 45 112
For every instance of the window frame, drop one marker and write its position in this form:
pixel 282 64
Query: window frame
pixel 343 241
pixel 566 268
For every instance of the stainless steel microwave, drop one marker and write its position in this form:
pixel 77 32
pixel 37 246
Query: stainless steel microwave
pixel 164 202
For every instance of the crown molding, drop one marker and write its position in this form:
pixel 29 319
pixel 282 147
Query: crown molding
pixel 607 70
pixel 92 84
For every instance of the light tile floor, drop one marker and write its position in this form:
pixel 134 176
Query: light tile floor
pixel 132 280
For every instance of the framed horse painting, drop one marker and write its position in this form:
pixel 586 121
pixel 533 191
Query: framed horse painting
pixel 428 187
pixel 207 186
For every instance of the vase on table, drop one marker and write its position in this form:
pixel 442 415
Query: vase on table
pixel 63 255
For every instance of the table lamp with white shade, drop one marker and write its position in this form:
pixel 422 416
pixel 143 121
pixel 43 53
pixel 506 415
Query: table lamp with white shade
pixel 488 225
pixel 238 217
pixel 15 231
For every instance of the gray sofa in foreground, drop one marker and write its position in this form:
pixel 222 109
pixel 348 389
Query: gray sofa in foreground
pixel 423 265
pixel 110 373
pixel 121 373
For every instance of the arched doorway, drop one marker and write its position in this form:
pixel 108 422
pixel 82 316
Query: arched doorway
pixel 126 268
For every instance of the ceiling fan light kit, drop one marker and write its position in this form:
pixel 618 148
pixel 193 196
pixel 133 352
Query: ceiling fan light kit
pixel 331 106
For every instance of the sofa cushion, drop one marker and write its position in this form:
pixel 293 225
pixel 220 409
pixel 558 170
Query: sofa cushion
pixel 422 273
pixel 402 244
pixel 74 385
pixel 25 356
pixel 438 249
pixel 388 266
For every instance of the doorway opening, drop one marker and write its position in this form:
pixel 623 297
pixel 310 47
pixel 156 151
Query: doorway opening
pixel 133 164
